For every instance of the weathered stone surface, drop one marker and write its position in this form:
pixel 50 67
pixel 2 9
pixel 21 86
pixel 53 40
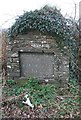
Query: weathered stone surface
pixel 15 60
pixel 38 65
pixel 14 55
pixel 23 51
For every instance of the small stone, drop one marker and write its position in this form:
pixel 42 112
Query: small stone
pixel 67 65
pixel 28 116
pixel 65 47
pixel 53 75
pixel 64 72
pixel 46 80
pixel 14 55
pixel 21 50
pixel 8 66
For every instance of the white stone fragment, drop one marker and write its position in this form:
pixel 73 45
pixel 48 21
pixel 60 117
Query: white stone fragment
pixel 46 80
pixel 28 101
pixel 46 46
pixel 44 41
pixel 14 55
pixel 55 55
pixel 21 50
pixel 53 75
pixel 8 66
pixel 68 66
pixel 66 79
pixel 31 41
pixel 65 47
pixel 64 72
pixel 60 97
pixel 35 45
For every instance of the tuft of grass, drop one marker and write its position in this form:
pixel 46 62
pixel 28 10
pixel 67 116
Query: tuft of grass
pixel 73 87
pixel 11 82
pixel 40 93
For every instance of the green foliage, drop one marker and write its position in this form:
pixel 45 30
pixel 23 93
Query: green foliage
pixel 10 82
pixel 13 89
pixel 73 82
pixel 47 96
pixel 32 83
pixel 46 20
pixel 40 93
pixel 50 21
pixel 73 86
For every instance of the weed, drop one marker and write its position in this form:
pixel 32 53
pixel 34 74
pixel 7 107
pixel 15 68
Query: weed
pixel 11 82
pixel 46 95
pixel 73 87
pixel 40 93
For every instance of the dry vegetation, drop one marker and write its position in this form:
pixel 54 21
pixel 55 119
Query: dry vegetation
pixel 48 100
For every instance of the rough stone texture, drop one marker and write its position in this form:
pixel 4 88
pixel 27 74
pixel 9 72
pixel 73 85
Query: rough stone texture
pixel 38 65
pixel 35 42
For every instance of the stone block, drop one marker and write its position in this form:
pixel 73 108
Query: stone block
pixel 25 50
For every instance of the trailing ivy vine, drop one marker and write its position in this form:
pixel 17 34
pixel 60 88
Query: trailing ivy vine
pixel 50 21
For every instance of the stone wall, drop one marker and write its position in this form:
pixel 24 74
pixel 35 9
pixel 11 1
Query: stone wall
pixel 34 41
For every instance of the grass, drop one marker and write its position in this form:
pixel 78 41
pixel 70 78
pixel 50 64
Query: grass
pixel 48 96
pixel 40 93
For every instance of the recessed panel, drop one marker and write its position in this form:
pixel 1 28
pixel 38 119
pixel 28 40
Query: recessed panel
pixel 36 65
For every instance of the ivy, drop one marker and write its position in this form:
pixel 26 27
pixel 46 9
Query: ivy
pixel 50 21
pixel 46 20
